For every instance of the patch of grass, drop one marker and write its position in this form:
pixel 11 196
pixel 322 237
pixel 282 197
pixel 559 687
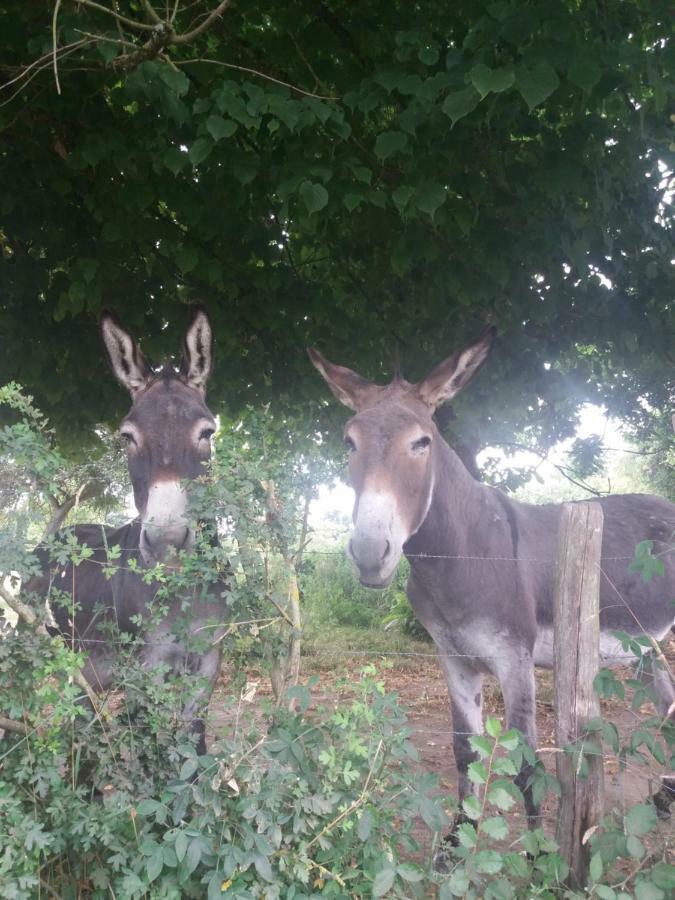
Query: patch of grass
pixel 338 648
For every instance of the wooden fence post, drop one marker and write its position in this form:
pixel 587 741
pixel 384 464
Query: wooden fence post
pixel 576 650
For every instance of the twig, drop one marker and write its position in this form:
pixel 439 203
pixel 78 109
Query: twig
pixel 54 51
pixel 217 62
pixel 151 12
pixel 191 35
pixel 131 23
pixel 14 726
pixel 352 806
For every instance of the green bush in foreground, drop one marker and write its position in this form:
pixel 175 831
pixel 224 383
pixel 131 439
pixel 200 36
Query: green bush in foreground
pixel 321 803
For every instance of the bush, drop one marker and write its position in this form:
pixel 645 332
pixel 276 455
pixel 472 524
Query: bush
pixel 320 802
pixel 333 595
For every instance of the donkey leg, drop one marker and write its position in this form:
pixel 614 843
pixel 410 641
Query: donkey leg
pixel 465 687
pixel 518 690
pixel 205 669
pixel 655 674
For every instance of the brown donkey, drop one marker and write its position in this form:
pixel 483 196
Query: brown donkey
pixel 168 434
pixel 482 565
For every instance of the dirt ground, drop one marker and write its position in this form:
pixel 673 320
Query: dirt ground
pixel 422 690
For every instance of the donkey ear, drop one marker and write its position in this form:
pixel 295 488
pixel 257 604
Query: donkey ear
pixel 124 354
pixel 349 387
pixel 453 375
pixel 197 359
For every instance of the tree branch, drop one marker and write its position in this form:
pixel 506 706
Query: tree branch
pixel 130 23
pixel 13 726
pixel 217 62
pixel 191 35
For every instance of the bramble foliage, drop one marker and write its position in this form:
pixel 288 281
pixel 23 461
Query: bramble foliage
pixel 418 172
pixel 489 861
pixel 320 802
pixel 315 801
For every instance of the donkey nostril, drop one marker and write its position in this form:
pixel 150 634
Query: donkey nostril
pixel 387 550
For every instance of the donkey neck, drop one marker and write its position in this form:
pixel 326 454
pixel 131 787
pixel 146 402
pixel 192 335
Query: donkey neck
pixel 457 511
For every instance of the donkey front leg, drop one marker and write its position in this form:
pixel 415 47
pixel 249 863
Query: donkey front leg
pixel 465 687
pixel 516 679
pixel 204 671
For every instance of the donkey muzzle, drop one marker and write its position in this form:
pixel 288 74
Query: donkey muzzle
pixel 373 558
pixel 162 543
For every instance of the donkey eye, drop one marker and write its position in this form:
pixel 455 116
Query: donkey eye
pixel 206 434
pixel 128 436
pixel 421 444
pixel 349 444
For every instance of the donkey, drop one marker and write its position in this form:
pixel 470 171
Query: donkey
pixel 481 564
pixel 168 435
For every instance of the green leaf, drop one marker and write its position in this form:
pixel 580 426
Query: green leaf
pixel 605 892
pixel 493 727
pixel 466 834
pixel 175 80
pixel 509 740
pixel 477 773
pixel 647 890
pixel 596 868
pixel 495 827
pixel 181 845
pixel 365 825
pixel 401 196
pixel 428 56
pixel 537 84
pixel 584 74
pixel 410 872
pixel 461 103
pixel 457 884
pixel 481 744
pixel 263 867
pixel 351 201
pixel 663 875
pixel 219 128
pixel 147 807
pixel 193 856
pixel 500 797
pixel 384 881
pixel 313 195
pixel 175 160
pixel 390 142
pixel 201 148
pixel 188 768
pixel 640 819
pixel 154 865
pixel 488 862
pixel 472 807
pixel 488 81
pixel 430 197
pixel 635 847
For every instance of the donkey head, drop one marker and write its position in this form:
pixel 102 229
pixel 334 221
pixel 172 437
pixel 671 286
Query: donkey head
pixel 392 443
pixel 167 430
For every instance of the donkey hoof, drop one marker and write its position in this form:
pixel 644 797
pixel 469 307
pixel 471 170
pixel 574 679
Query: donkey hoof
pixel 442 862
pixel 664 797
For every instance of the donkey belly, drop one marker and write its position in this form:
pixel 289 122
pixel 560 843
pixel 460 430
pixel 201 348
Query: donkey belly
pixel 611 651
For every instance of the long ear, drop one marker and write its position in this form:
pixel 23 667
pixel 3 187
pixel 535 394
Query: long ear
pixel 197 359
pixel 451 376
pixel 124 354
pixel 349 387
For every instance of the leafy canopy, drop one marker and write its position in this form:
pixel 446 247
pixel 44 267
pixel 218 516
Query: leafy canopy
pixel 376 179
